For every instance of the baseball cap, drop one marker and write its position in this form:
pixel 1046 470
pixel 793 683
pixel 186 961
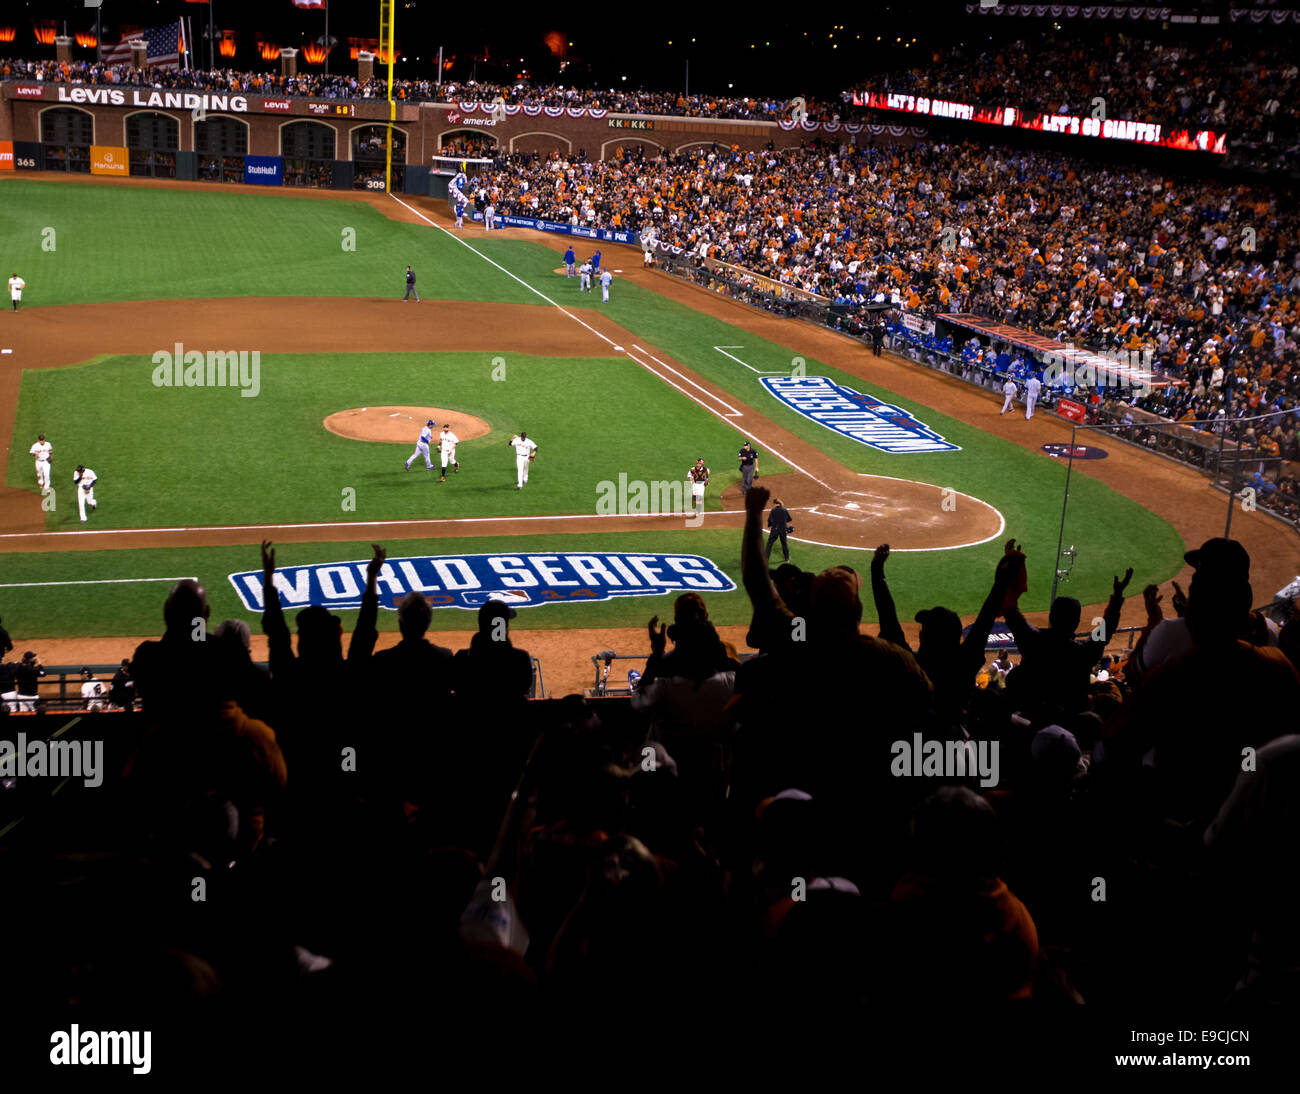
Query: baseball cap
pixel 429 422
pixel 30 655
pixel 1219 557
pixel 939 619
pixel 316 616
pixel 495 609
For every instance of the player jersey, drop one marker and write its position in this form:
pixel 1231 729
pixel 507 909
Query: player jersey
pixel 87 478
pixel 448 440
pixel 699 474
pixel 523 446
pixel 93 692
pixel 41 450
pixel 17 283
pixel 426 435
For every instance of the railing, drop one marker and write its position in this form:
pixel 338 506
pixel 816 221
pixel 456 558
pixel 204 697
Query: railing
pixel 59 690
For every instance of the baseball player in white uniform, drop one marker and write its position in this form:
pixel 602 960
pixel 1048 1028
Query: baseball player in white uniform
pixel 447 442
pixel 605 278
pixel 422 447
pixel 525 453
pixel 85 479
pixel 1032 387
pixel 41 451
pixel 1010 390
pixel 16 286
pixel 93 691
pixel 699 479
pixel 584 277
pixel 489 216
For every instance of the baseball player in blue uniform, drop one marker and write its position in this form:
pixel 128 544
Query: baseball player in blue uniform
pixel 569 259
pixel 595 264
pixel 422 446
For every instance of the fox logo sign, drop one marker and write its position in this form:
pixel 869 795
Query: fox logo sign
pixel 468 581
pixel 862 418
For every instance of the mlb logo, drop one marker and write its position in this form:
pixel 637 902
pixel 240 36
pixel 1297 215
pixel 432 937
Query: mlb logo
pixel 476 598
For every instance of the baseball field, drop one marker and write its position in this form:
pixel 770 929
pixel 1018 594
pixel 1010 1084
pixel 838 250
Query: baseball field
pixel 238 365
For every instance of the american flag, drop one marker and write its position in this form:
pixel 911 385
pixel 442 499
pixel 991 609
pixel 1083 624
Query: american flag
pixel 162 46
pixel 308 3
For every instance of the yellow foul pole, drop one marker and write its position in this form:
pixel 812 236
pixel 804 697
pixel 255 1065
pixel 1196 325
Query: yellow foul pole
pixel 386 44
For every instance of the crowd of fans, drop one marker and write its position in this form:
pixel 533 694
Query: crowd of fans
pixel 1200 278
pixel 843 819
pixel 1229 85
pixel 344 86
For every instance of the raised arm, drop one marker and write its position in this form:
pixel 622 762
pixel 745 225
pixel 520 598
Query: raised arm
pixel 753 565
pixel 279 647
pixel 976 640
pixel 365 634
pixel 886 613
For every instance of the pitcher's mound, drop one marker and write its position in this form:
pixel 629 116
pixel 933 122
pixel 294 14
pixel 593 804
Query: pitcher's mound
pixel 402 424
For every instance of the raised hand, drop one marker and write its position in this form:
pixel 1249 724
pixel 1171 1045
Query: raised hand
pixel 658 638
pixel 1122 583
pixel 1179 600
pixel 376 563
pixel 756 499
pixel 1151 598
pixel 268 560
pixel 878 559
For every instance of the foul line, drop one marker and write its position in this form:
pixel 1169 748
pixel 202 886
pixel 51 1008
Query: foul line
pixel 723 350
pixel 606 338
pixel 359 524
pixel 734 413
pixel 101 581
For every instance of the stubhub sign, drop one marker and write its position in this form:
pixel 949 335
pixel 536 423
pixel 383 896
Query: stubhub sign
pixel 263 170
pixel 468 581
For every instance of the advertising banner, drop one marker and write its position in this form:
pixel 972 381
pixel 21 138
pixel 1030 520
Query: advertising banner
pixel 264 170
pixel 107 159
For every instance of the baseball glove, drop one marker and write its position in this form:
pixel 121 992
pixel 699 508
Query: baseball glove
pixel 532 457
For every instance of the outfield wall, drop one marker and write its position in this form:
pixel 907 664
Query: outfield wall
pixel 336 143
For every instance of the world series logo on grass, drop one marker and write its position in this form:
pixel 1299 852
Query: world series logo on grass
pixel 862 418
pixel 468 581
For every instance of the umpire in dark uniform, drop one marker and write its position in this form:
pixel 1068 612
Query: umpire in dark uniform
pixel 778 521
pixel 877 337
pixel 410 286
pixel 748 467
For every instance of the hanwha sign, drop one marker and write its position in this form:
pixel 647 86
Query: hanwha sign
pixel 108 160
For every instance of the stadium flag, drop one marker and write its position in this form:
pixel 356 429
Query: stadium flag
pixel 308 3
pixel 162 46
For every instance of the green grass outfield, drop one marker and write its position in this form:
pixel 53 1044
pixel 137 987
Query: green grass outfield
pixel 166 456
pixel 170 457
pixel 918 579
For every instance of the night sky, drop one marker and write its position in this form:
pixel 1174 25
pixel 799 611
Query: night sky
pixel 782 58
